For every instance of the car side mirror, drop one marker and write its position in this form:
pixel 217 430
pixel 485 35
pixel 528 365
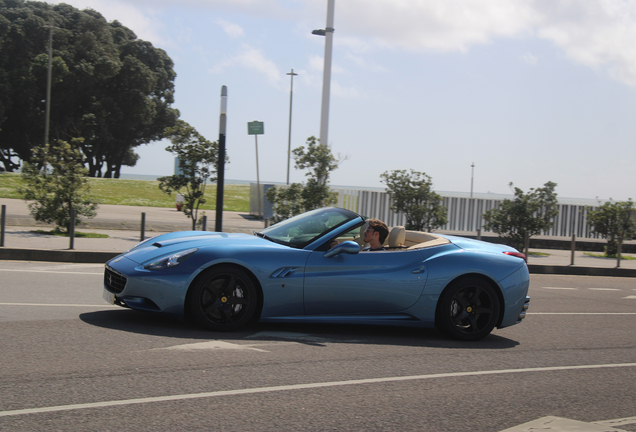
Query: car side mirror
pixel 348 247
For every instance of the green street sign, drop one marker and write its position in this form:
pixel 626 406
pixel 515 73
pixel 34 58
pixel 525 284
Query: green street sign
pixel 255 128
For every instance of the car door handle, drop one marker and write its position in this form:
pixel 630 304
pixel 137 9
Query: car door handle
pixel 419 270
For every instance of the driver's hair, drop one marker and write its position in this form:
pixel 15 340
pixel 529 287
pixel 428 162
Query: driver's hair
pixel 379 227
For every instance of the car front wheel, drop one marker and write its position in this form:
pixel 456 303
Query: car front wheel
pixel 224 299
pixel 468 309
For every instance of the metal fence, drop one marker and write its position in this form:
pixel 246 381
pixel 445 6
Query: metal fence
pixel 464 214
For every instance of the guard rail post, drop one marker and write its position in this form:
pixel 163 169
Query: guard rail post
pixel 143 226
pixel 71 231
pixel 3 222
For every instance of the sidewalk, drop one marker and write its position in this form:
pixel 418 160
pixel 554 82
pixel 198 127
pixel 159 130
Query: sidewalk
pixel 122 224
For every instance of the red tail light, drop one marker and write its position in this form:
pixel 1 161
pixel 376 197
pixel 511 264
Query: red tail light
pixel 516 254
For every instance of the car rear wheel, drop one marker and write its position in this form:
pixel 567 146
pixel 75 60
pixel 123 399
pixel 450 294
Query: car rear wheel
pixel 468 309
pixel 224 299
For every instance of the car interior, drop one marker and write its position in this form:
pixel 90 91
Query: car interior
pixel 398 239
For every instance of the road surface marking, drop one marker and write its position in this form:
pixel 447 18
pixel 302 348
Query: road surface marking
pixel 604 289
pixel 56 305
pixel 580 313
pixel 559 288
pixel 306 386
pixel 211 345
pixel 286 335
pixel 49 271
pixel 617 422
pixel 559 424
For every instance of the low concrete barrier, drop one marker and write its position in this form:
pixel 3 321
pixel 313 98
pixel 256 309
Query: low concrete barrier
pixel 581 271
pixel 70 256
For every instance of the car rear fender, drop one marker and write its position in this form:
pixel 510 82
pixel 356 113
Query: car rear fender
pixel 492 283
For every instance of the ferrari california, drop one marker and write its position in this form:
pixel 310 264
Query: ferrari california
pixel 311 268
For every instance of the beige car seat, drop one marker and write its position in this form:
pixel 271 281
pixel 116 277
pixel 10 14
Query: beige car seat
pixel 397 236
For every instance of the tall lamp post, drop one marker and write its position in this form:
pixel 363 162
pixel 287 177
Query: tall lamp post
pixel 326 75
pixel 47 114
pixel 291 92
pixel 220 170
pixel 472 175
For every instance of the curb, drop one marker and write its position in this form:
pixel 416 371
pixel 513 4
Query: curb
pixel 69 256
pixel 96 257
pixel 581 271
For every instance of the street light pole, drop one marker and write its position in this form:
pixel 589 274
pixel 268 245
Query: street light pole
pixel 291 92
pixel 326 77
pixel 220 171
pixel 47 114
pixel 472 175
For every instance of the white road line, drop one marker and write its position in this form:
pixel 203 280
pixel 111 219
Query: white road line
pixel 604 289
pixel 49 271
pixel 211 345
pixel 580 313
pixel 57 305
pixel 258 390
pixel 559 288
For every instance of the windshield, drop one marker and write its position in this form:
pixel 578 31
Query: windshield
pixel 301 230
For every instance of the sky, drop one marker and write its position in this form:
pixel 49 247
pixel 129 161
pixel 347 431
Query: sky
pixel 529 91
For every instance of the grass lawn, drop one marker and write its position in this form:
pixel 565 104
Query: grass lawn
pixel 623 256
pixel 77 234
pixel 140 193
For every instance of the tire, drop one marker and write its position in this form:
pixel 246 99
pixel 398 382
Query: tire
pixel 224 299
pixel 468 309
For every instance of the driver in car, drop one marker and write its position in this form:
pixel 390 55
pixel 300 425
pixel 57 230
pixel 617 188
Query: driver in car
pixel 375 235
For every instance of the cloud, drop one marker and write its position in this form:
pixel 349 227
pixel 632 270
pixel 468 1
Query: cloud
pixel 596 33
pixel 435 25
pixel 251 58
pixel 231 29
pixel 530 59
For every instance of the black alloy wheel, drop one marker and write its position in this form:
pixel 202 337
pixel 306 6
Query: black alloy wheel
pixel 224 299
pixel 468 309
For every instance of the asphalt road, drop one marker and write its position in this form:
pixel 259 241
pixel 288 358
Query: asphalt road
pixel 71 362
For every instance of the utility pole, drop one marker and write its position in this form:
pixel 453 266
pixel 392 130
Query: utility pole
pixel 291 93
pixel 220 171
pixel 47 114
pixel 472 175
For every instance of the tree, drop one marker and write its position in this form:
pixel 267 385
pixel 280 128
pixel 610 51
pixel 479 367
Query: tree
pixel 318 160
pixel 56 183
pixel 614 221
pixel 527 215
pixel 197 165
pixel 108 86
pixel 412 194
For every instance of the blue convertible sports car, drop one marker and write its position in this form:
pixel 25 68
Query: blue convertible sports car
pixel 290 273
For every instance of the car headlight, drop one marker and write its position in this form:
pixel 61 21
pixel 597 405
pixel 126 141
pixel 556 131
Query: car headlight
pixel 170 261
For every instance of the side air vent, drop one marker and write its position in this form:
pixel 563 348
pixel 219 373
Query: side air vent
pixel 284 272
